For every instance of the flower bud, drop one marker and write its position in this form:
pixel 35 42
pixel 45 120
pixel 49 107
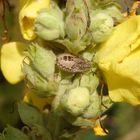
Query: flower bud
pixel 89 81
pixel 115 13
pixel 76 100
pixel 63 86
pixel 49 24
pixel 96 108
pixel 76 20
pixel 42 59
pixel 40 71
pixel 101 26
pixel 41 86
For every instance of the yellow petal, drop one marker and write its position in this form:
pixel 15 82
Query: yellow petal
pixel 27 16
pixel 99 131
pixel 40 103
pixel 119 60
pixel 11 61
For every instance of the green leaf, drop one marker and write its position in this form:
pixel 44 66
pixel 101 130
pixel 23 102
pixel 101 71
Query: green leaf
pixel 11 133
pixel 9 94
pixel 42 131
pixel 69 134
pixel 29 114
pixel 78 121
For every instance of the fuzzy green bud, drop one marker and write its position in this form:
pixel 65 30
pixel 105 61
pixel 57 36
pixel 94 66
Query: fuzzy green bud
pixel 115 13
pixel 101 26
pixel 42 59
pixel 63 86
pixel 97 106
pixel 89 81
pixel 40 70
pixel 76 100
pixel 40 85
pixel 49 24
pixel 76 20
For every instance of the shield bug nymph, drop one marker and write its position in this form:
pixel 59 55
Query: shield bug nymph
pixel 71 63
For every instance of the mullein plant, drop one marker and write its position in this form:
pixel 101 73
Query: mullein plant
pixel 79 59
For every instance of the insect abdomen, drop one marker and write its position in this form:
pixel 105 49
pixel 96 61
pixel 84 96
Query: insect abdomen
pixel 70 63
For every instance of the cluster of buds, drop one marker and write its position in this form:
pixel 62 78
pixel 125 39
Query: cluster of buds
pixel 72 65
pixel 75 95
pixel 80 25
pixel 56 71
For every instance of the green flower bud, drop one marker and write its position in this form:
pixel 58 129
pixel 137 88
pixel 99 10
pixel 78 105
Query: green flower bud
pixel 115 13
pixel 76 100
pixel 76 20
pixel 63 86
pixel 40 70
pixel 89 54
pixel 89 81
pixel 96 108
pixel 75 27
pixel 49 24
pixel 78 36
pixel 41 86
pixel 101 26
pixel 42 59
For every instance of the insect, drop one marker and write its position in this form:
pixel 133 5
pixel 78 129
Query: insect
pixel 71 63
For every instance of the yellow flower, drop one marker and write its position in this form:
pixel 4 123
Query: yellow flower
pixel 28 14
pixel 119 60
pixel 11 61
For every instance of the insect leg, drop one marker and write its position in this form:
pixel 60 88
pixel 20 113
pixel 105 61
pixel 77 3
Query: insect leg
pixel 100 99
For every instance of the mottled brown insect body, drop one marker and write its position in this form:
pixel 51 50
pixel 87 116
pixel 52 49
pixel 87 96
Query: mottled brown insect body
pixel 74 64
